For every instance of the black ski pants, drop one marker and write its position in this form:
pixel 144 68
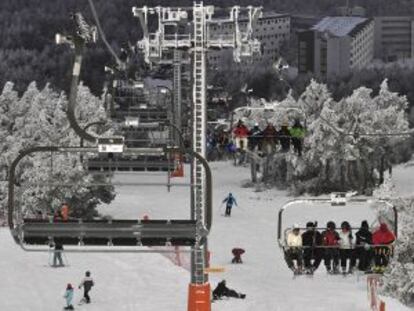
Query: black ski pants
pixel 86 295
pixel 345 255
pixel 331 258
pixel 382 256
pixel 364 258
pixel 315 254
pixel 292 254
pixel 228 209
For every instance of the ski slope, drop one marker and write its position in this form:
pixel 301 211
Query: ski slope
pixel 149 282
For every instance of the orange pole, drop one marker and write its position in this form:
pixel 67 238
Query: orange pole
pixel 199 298
pixel 382 306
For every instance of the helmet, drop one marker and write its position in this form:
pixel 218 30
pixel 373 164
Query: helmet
pixel 69 286
pixel 88 273
pixel 331 225
pixel 345 225
pixel 296 226
pixel 310 224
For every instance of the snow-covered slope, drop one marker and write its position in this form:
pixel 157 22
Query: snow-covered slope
pixel 151 282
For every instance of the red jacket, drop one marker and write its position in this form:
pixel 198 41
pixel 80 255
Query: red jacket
pixel 383 235
pixel 241 131
pixel 330 238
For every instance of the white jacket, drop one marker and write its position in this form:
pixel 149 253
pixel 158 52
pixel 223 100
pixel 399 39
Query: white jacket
pixel 345 241
pixel 294 240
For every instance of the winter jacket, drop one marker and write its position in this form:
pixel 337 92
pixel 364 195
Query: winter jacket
pixel 383 235
pixel 330 238
pixel 68 296
pixel 294 240
pixel 64 212
pixel 87 283
pixel 346 240
pixel 241 131
pixel 297 132
pixel 270 133
pixel 230 200
pixel 284 137
pixel 311 238
pixel 363 237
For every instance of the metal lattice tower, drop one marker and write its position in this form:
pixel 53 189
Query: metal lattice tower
pixel 197 43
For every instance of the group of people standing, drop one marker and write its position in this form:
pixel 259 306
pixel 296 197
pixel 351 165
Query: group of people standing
pixel 340 249
pixel 264 140
pixel 267 139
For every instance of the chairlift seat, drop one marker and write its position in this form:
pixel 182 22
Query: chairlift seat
pixel 116 232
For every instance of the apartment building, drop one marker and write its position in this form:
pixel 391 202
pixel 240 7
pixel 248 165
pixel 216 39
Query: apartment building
pixel 394 38
pixel 336 46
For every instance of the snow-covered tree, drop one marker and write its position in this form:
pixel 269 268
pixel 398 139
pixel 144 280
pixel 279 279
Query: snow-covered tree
pixel 344 147
pixel 38 118
pixel 399 277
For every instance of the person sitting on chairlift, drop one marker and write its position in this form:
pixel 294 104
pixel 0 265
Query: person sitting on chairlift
pixel 294 251
pixel 346 247
pixel 312 240
pixel 330 241
pixel 382 239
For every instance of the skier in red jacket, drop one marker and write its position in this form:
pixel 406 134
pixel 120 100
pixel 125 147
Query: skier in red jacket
pixel 241 132
pixel 382 239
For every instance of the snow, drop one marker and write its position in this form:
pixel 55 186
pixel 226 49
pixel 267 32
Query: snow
pixel 148 282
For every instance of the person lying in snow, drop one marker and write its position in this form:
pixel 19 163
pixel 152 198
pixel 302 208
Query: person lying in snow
pixel 223 291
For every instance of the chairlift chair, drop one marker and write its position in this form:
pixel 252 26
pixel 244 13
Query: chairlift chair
pixel 37 234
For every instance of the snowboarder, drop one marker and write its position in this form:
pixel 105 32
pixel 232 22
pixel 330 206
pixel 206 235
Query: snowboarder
pixel 223 291
pixel 87 284
pixel 363 247
pixel 312 240
pixel 230 200
pixel 346 247
pixel 330 241
pixel 69 297
pixel 294 251
pixel 57 254
pixel 237 252
pixel 298 133
pixel 382 240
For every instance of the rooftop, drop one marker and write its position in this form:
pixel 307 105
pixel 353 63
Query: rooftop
pixel 339 26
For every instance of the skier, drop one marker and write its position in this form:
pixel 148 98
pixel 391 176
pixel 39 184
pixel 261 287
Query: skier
pixel 298 133
pixel 346 245
pixel 294 251
pixel 363 245
pixel 237 252
pixel 230 200
pixel 69 297
pixel 284 137
pixel 382 240
pixel 330 241
pixel 57 254
pixel 223 291
pixel 312 240
pixel 87 284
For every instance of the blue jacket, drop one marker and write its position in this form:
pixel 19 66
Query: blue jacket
pixel 230 200
pixel 68 296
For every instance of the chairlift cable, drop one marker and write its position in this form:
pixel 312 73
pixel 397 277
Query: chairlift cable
pixel 102 33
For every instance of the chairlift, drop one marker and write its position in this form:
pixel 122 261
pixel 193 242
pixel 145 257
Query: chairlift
pixel 337 203
pixel 103 234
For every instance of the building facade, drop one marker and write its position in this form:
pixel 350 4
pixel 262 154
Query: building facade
pixel 394 38
pixel 336 46
pixel 272 30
